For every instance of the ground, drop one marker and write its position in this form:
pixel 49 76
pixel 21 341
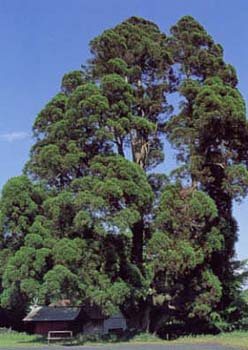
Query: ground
pixel 226 341
pixel 135 347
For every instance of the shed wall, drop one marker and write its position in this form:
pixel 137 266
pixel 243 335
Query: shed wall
pixel 117 321
pixel 93 327
pixel 44 327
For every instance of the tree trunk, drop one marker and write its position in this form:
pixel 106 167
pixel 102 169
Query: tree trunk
pixel 137 244
pixel 140 148
pixel 120 149
pixel 147 319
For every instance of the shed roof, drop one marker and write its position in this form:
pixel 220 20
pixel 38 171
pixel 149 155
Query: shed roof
pixel 47 313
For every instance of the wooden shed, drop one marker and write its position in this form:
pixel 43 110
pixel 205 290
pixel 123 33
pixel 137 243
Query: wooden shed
pixel 97 323
pixel 87 319
pixel 43 319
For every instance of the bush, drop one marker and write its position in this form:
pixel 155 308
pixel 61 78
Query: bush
pixel 4 330
pixel 84 338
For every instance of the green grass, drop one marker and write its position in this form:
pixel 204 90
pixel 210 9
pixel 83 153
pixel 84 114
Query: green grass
pixel 235 339
pixel 19 339
pixel 238 338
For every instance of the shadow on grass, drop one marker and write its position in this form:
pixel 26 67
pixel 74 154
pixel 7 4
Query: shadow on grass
pixel 42 341
pixel 80 340
pixel 94 339
pixel 39 340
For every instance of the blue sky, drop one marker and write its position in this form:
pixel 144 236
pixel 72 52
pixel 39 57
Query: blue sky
pixel 40 40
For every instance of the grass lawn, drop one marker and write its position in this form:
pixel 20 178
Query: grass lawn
pixel 19 339
pixel 236 339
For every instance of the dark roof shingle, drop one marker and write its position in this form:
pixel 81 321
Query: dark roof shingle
pixel 47 313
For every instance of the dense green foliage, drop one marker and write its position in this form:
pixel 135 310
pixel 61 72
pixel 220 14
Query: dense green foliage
pixel 92 220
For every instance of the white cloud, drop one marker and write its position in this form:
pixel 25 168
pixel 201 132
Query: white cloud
pixel 14 136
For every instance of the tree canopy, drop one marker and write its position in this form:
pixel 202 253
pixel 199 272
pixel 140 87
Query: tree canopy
pixel 92 219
